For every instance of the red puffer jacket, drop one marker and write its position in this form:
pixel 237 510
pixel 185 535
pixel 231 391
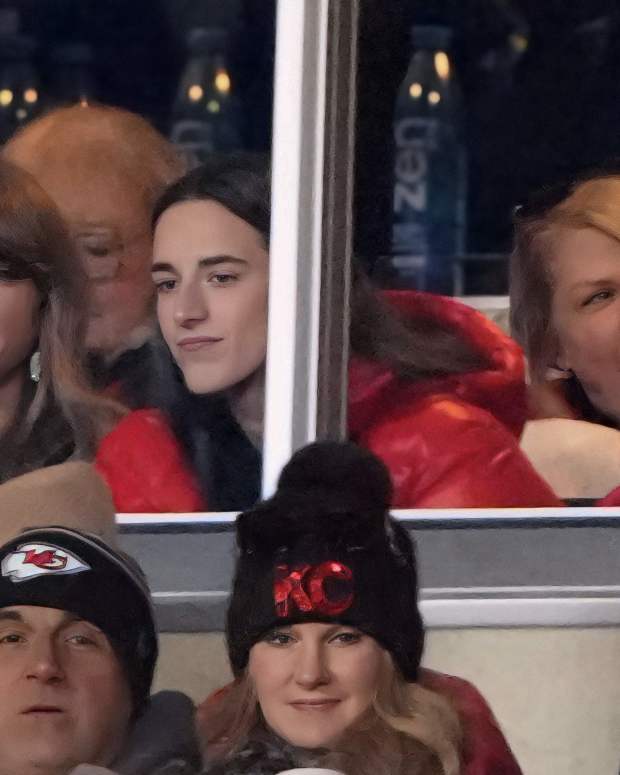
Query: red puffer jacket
pixel 448 442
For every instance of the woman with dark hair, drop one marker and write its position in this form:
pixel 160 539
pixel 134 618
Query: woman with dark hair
pixel 435 390
pixel 47 411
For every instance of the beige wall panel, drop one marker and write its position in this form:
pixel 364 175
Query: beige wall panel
pixel 555 692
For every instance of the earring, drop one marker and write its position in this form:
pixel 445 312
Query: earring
pixel 35 366
pixel 557 372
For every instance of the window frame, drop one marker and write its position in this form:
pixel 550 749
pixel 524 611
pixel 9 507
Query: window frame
pixel 312 189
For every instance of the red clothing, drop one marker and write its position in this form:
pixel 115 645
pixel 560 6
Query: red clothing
pixel 448 442
pixel 451 441
pixel 143 464
pixel 613 499
pixel 484 748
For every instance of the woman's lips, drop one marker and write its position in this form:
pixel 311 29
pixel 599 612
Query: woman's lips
pixel 49 709
pixel 190 344
pixel 314 705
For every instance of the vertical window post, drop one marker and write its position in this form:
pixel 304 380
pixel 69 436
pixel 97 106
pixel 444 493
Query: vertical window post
pixel 309 257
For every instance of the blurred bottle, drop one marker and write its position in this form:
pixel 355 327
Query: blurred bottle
pixel 72 74
pixel 430 169
pixel 19 82
pixel 205 113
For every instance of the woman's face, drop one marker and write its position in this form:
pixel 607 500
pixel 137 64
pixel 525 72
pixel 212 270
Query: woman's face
pixel 211 272
pixel 313 681
pixel 19 324
pixel 586 312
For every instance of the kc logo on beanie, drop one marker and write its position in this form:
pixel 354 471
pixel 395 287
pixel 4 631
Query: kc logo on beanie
pixel 324 548
pixel 29 561
pixel 326 588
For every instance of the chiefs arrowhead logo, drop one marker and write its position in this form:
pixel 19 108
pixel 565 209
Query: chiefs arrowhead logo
pixel 29 561
pixel 47 558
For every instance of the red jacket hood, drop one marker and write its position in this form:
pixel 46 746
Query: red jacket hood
pixel 499 389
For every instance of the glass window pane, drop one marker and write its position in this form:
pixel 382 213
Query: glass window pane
pixel 201 74
pixel 465 109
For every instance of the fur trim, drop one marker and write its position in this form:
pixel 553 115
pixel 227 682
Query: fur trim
pixel 265 754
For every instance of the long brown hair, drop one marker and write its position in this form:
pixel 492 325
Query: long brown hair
pixel 414 349
pixel 34 245
pixel 410 730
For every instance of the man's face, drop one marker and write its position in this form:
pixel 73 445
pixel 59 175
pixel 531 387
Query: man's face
pixel 109 222
pixel 65 699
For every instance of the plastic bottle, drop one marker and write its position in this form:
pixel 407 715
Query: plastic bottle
pixel 20 93
pixel 205 113
pixel 430 168
pixel 72 79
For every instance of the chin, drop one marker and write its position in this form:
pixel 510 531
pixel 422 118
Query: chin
pixel 204 381
pixel 312 738
pixel 104 337
pixel 201 388
pixel 111 337
pixel 50 758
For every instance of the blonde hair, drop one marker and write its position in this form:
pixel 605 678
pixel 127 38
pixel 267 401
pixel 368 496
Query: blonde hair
pixel 410 730
pixel 590 203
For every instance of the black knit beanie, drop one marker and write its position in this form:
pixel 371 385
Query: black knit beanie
pixel 325 549
pixel 62 568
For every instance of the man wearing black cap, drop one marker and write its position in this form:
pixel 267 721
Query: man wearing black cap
pixel 77 653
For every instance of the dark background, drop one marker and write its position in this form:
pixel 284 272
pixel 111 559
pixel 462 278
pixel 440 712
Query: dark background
pixel 531 118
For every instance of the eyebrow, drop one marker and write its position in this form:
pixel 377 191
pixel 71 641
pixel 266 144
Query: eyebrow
pixel 593 283
pixel 163 266
pixel 11 616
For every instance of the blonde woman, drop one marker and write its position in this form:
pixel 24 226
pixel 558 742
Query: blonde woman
pixel 565 310
pixel 324 634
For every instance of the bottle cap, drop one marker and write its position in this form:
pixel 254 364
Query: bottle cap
pixel 431 36
pixel 207 40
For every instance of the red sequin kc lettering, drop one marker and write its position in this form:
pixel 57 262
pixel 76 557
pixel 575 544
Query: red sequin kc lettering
pixel 325 589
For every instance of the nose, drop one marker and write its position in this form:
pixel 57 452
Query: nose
pixel 43 663
pixel 190 305
pixel 101 268
pixel 311 669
